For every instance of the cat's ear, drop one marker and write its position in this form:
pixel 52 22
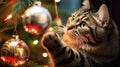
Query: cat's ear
pixel 103 15
pixel 86 4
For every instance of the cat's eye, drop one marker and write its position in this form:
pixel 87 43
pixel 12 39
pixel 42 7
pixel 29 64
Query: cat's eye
pixel 82 24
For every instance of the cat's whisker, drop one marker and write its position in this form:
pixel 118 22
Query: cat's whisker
pixel 73 35
pixel 85 39
pixel 75 39
pixel 79 34
pixel 78 39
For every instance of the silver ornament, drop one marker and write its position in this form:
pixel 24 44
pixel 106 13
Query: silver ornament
pixel 36 19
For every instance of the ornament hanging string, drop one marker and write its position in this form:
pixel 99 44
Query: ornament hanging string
pixel 15 24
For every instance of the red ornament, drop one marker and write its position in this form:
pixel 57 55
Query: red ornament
pixel 14 52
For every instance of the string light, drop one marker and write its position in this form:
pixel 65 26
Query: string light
pixel 8 17
pixel 35 42
pixel 45 55
pixel 22 16
pixel 3 58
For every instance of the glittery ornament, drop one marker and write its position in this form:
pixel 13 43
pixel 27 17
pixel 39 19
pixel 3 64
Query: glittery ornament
pixel 14 52
pixel 36 19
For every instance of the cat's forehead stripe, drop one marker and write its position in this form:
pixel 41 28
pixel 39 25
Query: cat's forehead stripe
pixel 96 19
pixel 82 16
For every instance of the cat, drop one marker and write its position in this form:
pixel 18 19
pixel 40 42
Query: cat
pixel 90 39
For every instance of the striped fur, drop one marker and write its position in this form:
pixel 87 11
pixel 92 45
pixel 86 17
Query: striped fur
pixel 90 40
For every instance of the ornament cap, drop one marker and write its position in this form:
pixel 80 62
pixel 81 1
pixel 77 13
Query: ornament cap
pixel 15 36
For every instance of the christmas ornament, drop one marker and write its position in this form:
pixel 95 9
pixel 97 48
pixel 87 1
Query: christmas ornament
pixel 36 19
pixel 14 52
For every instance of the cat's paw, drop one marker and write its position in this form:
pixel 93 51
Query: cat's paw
pixel 50 40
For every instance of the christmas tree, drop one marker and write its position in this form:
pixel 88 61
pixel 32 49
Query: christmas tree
pixel 11 23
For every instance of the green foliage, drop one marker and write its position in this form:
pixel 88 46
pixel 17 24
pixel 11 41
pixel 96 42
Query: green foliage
pixel 21 5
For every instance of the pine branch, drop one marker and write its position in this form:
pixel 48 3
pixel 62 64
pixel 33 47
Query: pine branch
pixel 16 10
pixel 21 6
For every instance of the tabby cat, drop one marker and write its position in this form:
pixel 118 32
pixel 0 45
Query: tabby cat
pixel 90 39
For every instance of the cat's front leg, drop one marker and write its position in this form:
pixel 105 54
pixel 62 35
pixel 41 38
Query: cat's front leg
pixel 60 53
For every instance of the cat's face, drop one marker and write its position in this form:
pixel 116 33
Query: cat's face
pixel 87 27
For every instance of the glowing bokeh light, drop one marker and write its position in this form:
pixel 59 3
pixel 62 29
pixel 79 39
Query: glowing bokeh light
pixel 8 17
pixel 45 55
pixel 50 29
pixel 35 42
pixel 57 1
